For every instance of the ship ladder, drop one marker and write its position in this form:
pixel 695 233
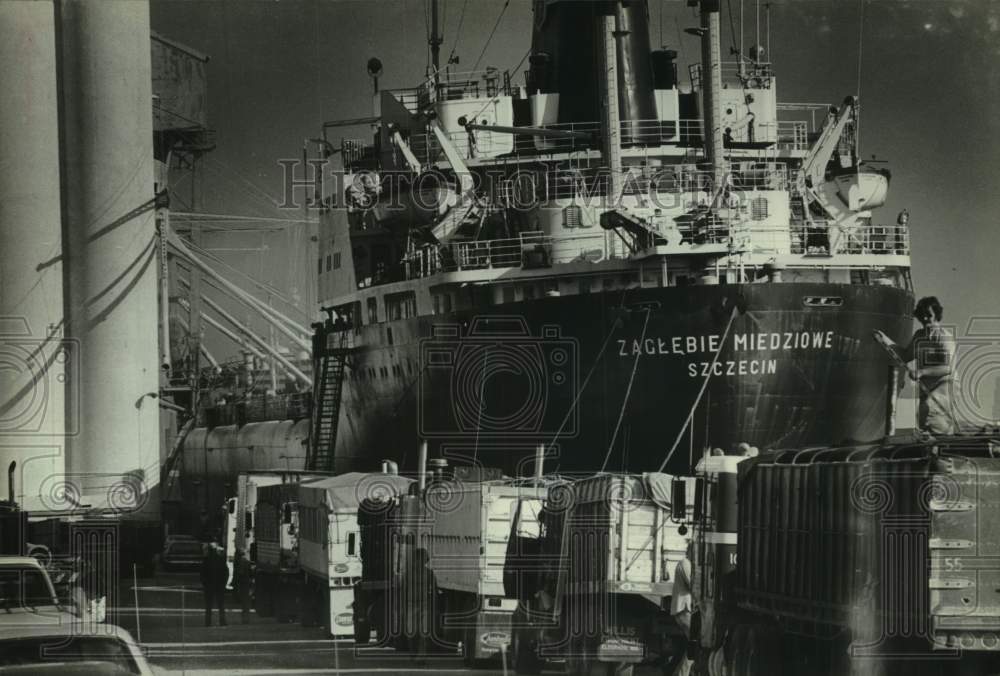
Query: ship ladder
pixel 326 406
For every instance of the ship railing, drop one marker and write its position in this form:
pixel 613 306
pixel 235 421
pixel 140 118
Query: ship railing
pixel 792 135
pixel 752 74
pixel 636 136
pixel 824 238
pixel 812 115
pixel 413 99
pixel 454 85
pixel 537 250
pixel 819 238
pixel 529 250
pixel 258 408
pixel 356 150
pixel 593 183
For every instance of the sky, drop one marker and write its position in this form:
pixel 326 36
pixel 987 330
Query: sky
pixel 928 91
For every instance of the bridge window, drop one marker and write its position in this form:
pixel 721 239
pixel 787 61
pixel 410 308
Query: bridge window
pixel 442 303
pixel 336 261
pixel 328 261
pixel 400 305
pixel 373 310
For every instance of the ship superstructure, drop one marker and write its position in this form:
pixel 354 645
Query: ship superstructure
pixel 603 260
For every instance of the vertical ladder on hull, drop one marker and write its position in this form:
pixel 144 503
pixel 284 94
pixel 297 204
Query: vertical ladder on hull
pixel 328 388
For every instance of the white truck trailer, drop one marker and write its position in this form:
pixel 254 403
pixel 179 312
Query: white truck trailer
pixel 330 542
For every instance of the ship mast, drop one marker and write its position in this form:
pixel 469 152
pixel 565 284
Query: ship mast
pixel 612 120
pixel 435 41
pixel 711 87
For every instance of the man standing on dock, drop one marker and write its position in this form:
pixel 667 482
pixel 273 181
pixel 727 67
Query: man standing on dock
pixel 244 578
pixel 214 574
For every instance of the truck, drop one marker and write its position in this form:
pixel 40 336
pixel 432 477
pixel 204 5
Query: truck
pixel 277 576
pixel 330 542
pixel 241 517
pixel 593 578
pixel 867 559
pixel 437 555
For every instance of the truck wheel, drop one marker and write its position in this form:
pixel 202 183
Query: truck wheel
pixel 362 632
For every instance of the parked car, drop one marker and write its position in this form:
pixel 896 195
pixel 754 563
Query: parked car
pixel 40 635
pixel 65 649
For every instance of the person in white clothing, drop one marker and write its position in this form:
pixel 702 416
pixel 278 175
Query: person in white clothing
pixel 682 606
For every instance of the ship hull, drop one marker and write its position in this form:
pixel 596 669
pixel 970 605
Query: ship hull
pixel 639 380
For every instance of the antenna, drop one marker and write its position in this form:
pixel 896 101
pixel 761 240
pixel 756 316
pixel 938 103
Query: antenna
pixel 767 30
pixel 757 33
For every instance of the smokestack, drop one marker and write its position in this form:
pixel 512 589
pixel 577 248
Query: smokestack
pixel 635 73
pixel 567 49
pixel 539 461
pixel 422 467
pixel 10 480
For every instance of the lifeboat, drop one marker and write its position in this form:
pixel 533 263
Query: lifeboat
pixel 863 189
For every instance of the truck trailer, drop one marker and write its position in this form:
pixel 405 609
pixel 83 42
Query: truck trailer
pixel 277 573
pixel 241 513
pixel 330 542
pixel 874 559
pixel 593 581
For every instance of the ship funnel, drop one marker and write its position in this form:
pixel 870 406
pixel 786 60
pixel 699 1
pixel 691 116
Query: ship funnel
pixel 566 45
pixel 539 461
pixel 636 100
